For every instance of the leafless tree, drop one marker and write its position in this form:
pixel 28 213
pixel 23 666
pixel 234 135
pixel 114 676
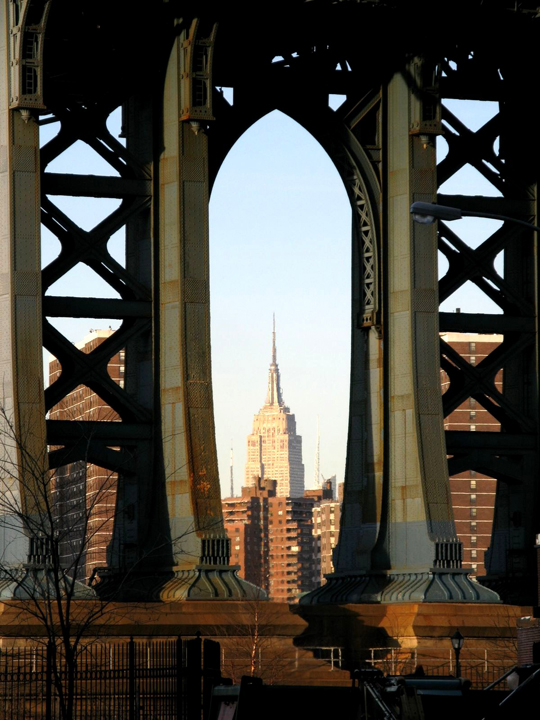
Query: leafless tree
pixel 251 644
pixel 47 532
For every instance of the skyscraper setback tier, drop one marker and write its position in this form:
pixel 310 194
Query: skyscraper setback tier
pixel 274 450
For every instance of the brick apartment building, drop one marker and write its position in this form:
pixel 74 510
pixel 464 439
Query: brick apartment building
pixel 473 494
pixel 83 491
pixel 245 527
pixel 326 519
pixel 272 540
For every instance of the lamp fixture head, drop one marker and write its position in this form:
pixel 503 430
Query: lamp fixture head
pixel 457 640
pixel 429 212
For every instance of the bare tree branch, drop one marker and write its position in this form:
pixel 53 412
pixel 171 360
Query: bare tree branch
pixel 49 530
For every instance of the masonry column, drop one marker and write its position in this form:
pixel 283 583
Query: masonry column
pixel 416 557
pixel 22 410
pixel 200 544
pixel 420 509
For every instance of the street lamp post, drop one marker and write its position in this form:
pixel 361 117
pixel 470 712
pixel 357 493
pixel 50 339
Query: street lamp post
pixel 457 643
pixel 427 213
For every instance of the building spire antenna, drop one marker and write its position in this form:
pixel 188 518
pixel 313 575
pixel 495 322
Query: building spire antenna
pixel 274 396
pixel 274 355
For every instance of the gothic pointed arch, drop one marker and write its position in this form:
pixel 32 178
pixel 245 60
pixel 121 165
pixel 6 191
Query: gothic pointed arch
pixel 364 476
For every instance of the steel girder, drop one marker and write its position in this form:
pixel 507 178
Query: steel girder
pixel 372 481
pixel 163 545
pixel 510 164
pixel 397 539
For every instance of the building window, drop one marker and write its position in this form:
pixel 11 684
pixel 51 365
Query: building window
pixel 472 347
pixel 473 527
pixel 473 539
pixel 472 473
pixel 472 428
pixel 473 499
pixel 473 512
pixel 472 402
pixel 474 554
pixel 472 415
pixel 472 360
pixel 473 484
pixel 474 568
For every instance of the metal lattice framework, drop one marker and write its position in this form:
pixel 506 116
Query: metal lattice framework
pixel 163 66
pixel 511 456
pixel 133 187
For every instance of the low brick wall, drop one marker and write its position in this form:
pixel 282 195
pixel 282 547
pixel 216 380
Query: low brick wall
pixel 528 634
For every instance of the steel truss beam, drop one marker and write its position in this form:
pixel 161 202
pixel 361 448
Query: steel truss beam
pixel 389 549
pixel 511 167
pixel 158 549
pixel 397 539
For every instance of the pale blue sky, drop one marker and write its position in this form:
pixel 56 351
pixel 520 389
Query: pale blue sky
pixel 280 228
pixel 280 224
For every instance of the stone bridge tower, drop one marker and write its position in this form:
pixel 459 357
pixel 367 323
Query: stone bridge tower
pixel 74 63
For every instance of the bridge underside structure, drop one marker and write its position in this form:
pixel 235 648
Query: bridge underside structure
pixel 72 65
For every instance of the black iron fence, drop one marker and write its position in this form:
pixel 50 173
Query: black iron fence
pixel 125 680
pixel 479 675
pixel 481 667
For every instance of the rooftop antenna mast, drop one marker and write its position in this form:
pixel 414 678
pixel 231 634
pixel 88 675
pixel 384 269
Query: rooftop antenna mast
pixel 318 457
pixel 232 473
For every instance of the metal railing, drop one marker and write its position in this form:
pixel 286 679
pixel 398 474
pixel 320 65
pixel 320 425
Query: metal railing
pixel 482 668
pixel 125 680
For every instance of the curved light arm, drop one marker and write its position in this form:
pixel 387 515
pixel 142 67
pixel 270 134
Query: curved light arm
pixel 427 213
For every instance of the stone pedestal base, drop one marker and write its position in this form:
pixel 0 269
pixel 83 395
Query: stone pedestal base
pixel 34 581
pixel 394 587
pixel 203 582
pixel 210 582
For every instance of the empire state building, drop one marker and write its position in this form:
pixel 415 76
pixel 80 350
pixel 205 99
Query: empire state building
pixel 274 450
